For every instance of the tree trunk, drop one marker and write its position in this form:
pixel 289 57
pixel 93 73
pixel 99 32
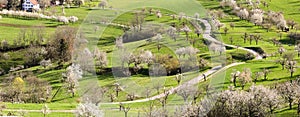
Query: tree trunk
pixel 117 93
pixel 290 104
pixel 126 114
pixel 73 93
pixel 234 82
pixel 292 74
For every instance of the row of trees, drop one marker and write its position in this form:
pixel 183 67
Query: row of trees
pixel 257 16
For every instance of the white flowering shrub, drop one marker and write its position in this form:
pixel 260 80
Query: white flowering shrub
pixel 73 19
pixel 88 110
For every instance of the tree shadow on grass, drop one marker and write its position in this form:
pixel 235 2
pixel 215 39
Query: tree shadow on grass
pixel 271 67
pixel 106 41
pixel 287 41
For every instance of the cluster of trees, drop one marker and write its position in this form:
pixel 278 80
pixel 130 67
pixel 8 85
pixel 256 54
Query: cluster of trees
pixel 257 101
pixel 29 90
pixel 257 15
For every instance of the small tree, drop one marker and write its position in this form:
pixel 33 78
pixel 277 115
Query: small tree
pixel 234 76
pixel 232 25
pixel 257 38
pixel 126 110
pixel 45 110
pixel 265 73
pixel 291 65
pixel 103 4
pixel 245 37
pixel 257 76
pixel 117 89
pixel 178 78
pixel 44 63
pixel 281 50
pixel 186 30
pixel 187 91
pixel 2 107
pixel 245 77
pixel 226 30
pixel 297 49
pixel 291 23
pixel 202 63
pixel 88 109
pixel 71 77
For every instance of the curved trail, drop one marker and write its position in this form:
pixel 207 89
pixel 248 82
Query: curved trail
pixel 207 36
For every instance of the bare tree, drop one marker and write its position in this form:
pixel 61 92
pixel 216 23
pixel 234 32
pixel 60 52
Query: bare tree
pixel 226 30
pixel 164 99
pixel 257 38
pixel 245 36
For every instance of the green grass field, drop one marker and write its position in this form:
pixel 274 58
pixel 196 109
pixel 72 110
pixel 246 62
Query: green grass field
pixel 104 40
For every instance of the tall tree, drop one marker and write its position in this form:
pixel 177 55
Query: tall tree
pixel 71 77
pixel 60 48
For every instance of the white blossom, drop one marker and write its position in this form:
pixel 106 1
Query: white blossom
pixel 88 110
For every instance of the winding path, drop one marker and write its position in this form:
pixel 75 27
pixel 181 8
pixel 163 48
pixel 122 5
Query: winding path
pixel 211 72
pixel 214 70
